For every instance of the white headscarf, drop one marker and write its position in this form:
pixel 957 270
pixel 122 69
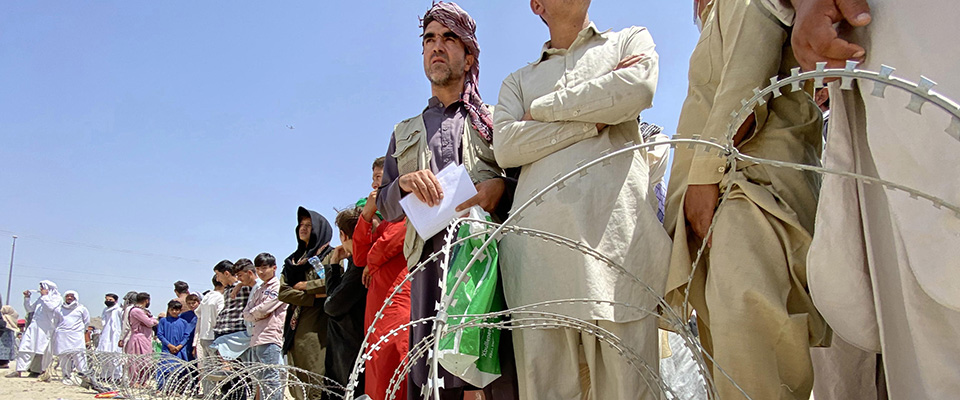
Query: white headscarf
pixel 52 290
pixel 76 300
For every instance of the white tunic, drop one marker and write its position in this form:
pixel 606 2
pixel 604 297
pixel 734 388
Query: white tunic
pixel 112 327
pixel 71 322
pixel 37 336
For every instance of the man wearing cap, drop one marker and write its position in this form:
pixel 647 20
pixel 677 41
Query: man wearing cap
pixel 455 128
pixel 579 99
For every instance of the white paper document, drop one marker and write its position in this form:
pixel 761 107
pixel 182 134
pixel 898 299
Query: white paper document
pixel 457 188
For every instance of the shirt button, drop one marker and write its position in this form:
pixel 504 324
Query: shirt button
pixel 553 141
pixel 721 169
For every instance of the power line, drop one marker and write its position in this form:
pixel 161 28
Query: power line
pixel 88 281
pixel 105 248
pixel 88 273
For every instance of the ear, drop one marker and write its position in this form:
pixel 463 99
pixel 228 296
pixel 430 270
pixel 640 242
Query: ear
pixel 470 60
pixel 537 7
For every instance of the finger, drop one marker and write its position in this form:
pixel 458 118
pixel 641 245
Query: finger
pixel 433 185
pixel 419 190
pixel 856 12
pixel 469 203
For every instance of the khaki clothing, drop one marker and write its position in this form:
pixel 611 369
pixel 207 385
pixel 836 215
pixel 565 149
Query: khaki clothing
pixel 883 267
pixel 845 372
pixel 609 209
pixel 749 290
pixel 607 374
pixel 412 155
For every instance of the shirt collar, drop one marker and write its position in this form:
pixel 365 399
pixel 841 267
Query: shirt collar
pixel 435 102
pixel 591 30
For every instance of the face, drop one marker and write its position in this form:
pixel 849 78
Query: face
pixel 377 177
pixel 173 312
pixel 347 242
pixel 247 278
pixel 192 305
pixel 445 59
pixel 304 230
pixel 266 272
pixel 69 299
pixel 225 278
pixel 560 10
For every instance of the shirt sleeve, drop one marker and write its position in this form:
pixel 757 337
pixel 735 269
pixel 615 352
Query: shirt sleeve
pixel 612 98
pixel 389 193
pixel 519 142
pixel 268 304
pixel 386 246
pixel 347 292
pixel 736 79
pixel 293 296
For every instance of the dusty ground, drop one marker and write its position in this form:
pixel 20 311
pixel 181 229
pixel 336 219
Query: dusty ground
pixel 32 389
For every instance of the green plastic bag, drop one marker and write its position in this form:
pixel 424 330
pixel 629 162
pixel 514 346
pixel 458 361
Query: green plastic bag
pixel 473 353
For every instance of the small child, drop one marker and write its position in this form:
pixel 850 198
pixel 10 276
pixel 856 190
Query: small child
pixel 174 335
pixel 346 303
pixel 267 313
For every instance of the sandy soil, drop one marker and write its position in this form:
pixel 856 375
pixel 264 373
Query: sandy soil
pixel 32 389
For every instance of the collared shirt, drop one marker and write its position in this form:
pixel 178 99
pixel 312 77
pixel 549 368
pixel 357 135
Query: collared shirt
pixel 444 125
pixel 267 313
pixel 567 93
pixel 230 319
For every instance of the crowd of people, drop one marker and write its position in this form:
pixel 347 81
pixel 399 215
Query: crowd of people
pixel 756 313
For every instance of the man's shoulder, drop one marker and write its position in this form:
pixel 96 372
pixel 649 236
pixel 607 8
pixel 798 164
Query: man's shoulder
pixel 407 123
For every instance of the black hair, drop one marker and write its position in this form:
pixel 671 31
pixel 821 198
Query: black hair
pixel 216 282
pixel 115 297
pixel 174 305
pixel 265 260
pixel 192 297
pixel 378 163
pixel 243 264
pixel 224 266
pixel 142 297
pixel 347 220
pixel 181 287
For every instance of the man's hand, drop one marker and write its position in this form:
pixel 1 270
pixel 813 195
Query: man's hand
pixel 816 39
pixel 488 195
pixel 172 348
pixel 366 277
pixel 424 185
pixel 370 209
pixel 26 293
pixel 120 343
pixel 339 254
pixel 629 61
pixel 301 286
pixel 698 206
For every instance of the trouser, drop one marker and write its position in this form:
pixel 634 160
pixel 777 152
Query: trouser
pixel 549 362
pixel 73 361
pixel 311 389
pixel 207 357
pixel 752 334
pixel 29 361
pixel 111 371
pixel 269 378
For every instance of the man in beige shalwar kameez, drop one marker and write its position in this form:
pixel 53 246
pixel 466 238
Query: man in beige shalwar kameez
pixel 749 290
pixel 884 267
pixel 579 99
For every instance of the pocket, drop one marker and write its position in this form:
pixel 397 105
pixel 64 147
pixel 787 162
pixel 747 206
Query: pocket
pixel 701 61
pixel 406 152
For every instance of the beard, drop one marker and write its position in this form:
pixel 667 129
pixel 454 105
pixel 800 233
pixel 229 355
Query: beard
pixel 444 74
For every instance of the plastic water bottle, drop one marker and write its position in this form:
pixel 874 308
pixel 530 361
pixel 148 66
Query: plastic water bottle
pixel 317 266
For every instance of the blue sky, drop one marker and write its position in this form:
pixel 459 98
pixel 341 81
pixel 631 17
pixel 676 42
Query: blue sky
pixel 142 142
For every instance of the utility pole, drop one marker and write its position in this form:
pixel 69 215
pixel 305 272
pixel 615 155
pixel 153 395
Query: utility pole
pixel 13 251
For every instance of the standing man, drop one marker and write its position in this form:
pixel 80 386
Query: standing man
pixel 69 342
pixel 110 335
pixel 755 315
pixel 181 289
pixel 267 313
pixel 36 338
pixel 577 100
pixel 207 313
pixel 454 128
pixel 883 266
